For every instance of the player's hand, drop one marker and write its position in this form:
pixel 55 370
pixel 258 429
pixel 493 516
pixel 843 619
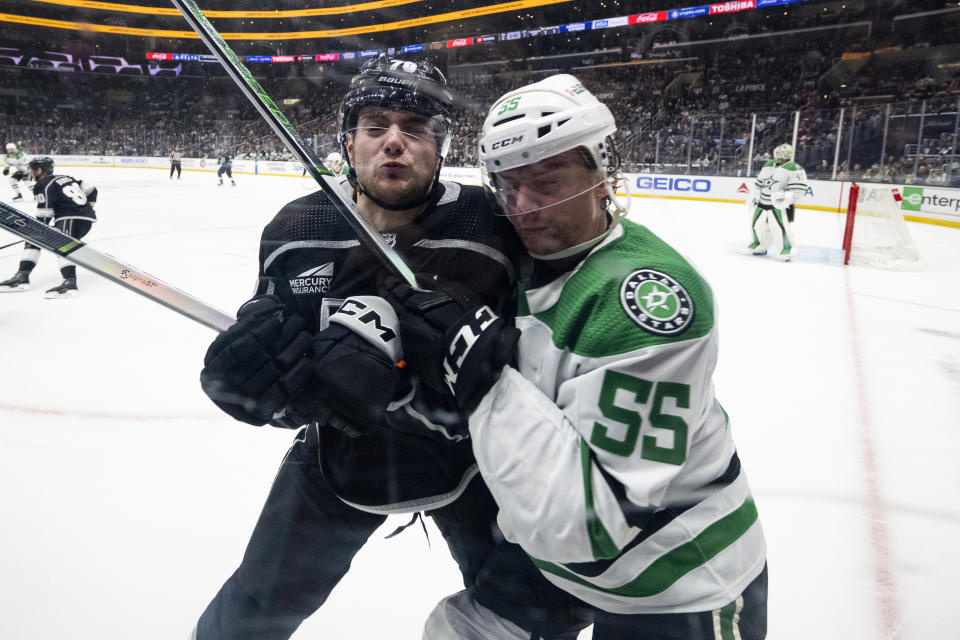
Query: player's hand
pixel 253 369
pixel 6 171
pixel 356 367
pixel 453 341
pixel 781 199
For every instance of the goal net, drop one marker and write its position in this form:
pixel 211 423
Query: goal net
pixel 875 234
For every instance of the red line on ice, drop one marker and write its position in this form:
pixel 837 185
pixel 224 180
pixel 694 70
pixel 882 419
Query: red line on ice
pixel 879 534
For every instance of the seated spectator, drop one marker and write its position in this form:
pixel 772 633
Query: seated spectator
pixel 872 174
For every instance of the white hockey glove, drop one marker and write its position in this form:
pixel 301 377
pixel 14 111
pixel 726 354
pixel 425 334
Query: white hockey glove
pixel 782 199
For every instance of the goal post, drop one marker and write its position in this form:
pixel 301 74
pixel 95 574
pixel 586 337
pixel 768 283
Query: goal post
pixel 875 234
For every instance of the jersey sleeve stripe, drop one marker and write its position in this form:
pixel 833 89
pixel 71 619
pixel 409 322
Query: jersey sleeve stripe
pixel 601 544
pixel 308 244
pixel 670 567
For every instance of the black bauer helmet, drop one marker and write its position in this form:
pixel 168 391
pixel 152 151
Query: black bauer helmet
pixel 402 85
pixel 41 162
pixel 399 85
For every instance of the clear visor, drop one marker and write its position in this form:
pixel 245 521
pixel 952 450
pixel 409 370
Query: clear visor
pixel 418 129
pixel 521 194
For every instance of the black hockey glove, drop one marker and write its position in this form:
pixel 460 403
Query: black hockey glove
pixel 453 341
pixel 6 171
pixel 356 367
pixel 254 368
pixel 19 175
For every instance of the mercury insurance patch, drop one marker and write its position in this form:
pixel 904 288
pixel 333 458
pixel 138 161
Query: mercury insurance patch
pixel 656 302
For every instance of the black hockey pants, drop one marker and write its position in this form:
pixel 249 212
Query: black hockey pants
pixel 306 538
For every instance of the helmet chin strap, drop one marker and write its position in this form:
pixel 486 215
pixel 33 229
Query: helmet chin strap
pixel 615 213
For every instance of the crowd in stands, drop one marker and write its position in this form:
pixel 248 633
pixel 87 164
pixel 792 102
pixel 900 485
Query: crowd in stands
pixel 684 108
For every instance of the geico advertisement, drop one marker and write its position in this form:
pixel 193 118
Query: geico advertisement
pixel 936 201
pixel 819 195
pixel 685 185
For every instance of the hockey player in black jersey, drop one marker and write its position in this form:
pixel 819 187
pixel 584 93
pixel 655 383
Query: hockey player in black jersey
pixel 377 441
pixel 65 203
pixel 226 167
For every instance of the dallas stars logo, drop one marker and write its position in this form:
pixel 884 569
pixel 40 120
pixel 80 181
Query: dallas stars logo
pixel 656 302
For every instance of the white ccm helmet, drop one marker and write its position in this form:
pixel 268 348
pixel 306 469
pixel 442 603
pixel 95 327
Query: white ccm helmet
pixel 333 158
pixel 544 119
pixel 11 148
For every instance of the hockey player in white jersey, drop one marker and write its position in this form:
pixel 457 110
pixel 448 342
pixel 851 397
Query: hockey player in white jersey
pixel 780 183
pixel 606 450
pixel 15 168
pixel 335 165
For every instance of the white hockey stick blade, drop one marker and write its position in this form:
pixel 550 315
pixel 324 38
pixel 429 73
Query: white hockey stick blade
pixel 369 236
pixel 36 232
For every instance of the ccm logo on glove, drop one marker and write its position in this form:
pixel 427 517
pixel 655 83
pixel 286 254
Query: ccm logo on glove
pixel 462 342
pixel 373 319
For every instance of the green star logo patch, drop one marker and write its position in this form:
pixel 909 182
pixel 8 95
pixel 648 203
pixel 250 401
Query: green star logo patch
pixel 656 302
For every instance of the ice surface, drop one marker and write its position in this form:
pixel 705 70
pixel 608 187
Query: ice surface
pixel 127 497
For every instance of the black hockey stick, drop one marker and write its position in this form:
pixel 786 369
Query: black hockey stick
pixel 36 232
pixel 10 244
pixel 279 123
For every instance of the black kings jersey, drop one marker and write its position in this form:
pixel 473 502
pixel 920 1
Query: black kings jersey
pixel 64 198
pixel 311 259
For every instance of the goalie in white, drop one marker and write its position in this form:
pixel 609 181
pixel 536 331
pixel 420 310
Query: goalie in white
pixel 779 185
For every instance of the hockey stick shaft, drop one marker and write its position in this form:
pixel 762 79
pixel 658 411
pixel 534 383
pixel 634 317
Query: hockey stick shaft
pixel 10 244
pixel 294 142
pixel 36 232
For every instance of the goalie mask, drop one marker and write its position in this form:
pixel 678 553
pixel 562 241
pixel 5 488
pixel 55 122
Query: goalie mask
pixel 394 84
pixel 783 153
pixel 540 121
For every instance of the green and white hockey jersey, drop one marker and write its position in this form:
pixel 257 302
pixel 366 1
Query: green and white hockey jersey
pixel 16 161
pixel 780 185
pixel 608 454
